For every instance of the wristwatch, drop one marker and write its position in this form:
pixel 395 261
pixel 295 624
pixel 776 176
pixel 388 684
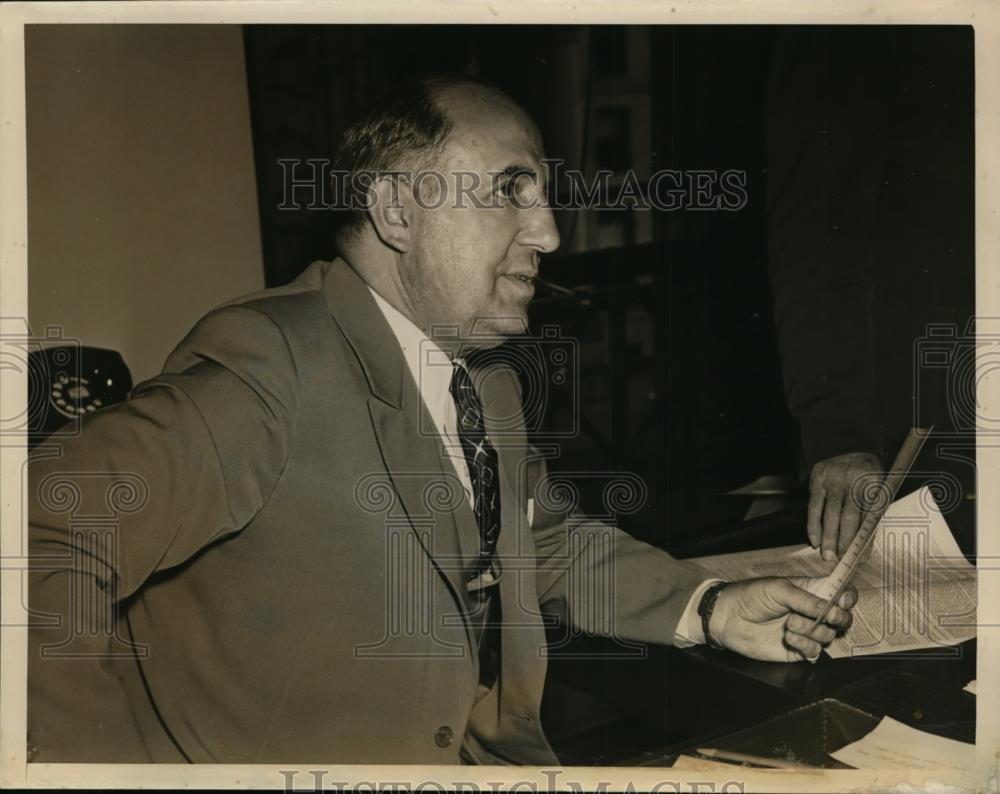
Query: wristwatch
pixel 705 608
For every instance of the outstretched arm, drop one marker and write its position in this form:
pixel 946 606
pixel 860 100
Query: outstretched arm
pixel 188 459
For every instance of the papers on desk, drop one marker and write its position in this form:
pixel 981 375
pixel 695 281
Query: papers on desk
pixel 915 589
pixel 893 745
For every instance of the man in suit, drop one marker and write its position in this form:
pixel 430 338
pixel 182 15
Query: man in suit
pixel 318 535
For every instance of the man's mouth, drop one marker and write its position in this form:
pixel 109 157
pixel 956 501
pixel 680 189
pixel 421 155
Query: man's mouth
pixel 529 280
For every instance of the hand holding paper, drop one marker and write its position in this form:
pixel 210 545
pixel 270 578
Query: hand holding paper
pixel 834 514
pixel 855 553
pixel 771 619
pixel 915 588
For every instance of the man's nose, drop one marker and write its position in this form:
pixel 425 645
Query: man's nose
pixel 540 230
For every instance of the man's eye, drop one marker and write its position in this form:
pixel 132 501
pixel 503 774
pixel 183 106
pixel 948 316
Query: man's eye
pixel 514 187
pixel 507 188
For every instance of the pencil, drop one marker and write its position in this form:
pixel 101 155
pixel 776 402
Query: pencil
pixel 774 763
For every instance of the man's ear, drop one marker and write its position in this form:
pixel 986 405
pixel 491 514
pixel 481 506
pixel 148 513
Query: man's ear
pixel 391 212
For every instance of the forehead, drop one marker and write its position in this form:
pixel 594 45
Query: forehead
pixel 489 132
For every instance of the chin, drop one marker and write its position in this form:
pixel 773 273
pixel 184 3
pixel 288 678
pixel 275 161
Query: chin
pixel 493 330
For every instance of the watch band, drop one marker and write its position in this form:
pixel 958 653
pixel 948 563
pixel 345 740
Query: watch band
pixel 705 609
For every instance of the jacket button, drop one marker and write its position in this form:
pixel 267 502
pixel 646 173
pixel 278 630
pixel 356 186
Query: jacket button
pixel 443 736
pixel 32 753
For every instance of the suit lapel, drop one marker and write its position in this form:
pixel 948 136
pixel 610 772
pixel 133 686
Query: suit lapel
pixel 429 491
pixel 420 475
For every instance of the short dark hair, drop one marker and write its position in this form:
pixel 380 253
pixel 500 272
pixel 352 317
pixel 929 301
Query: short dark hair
pixel 402 129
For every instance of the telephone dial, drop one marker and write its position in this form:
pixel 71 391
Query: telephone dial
pixel 69 382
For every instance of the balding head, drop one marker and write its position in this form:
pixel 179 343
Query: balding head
pixel 406 129
pixel 455 215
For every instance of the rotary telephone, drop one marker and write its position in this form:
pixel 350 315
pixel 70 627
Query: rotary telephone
pixel 69 382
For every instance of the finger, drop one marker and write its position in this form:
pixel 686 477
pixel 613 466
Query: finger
pixel 809 649
pixel 850 520
pixel 810 585
pixel 797 600
pixel 822 634
pixel 793 598
pixel 839 619
pixel 814 515
pixel 848 598
pixel 831 523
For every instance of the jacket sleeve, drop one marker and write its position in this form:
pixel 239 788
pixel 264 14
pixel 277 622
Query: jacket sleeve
pixel 825 161
pixel 589 573
pixel 189 458
pixel 603 581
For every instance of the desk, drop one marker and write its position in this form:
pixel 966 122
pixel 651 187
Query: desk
pixel 609 705
pixel 636 711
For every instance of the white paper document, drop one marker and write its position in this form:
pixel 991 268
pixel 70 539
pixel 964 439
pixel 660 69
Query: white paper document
pixel 893 745
pixel 970 687
pixel 915 588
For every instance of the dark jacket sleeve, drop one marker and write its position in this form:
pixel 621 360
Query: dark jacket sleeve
pixel 825 160
pixel 188 459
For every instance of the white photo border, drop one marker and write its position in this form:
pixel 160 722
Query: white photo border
pixel 15 772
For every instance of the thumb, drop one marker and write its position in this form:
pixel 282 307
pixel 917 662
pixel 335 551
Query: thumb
pixel 849 597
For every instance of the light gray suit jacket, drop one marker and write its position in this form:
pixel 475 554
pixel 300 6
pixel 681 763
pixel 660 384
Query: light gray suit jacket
pixel 260 556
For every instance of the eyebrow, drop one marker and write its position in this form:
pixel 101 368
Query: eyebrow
pixel 512 170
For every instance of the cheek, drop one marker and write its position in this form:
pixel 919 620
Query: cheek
pixel 451 280
pixel 474 249
pixel 463 253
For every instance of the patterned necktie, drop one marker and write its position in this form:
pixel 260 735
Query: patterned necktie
pixel 483 466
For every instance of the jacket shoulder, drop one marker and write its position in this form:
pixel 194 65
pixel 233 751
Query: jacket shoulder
pixel 289 304
pixel 286 322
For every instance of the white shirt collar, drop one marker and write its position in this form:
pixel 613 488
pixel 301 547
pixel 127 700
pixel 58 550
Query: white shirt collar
pixel 429 365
